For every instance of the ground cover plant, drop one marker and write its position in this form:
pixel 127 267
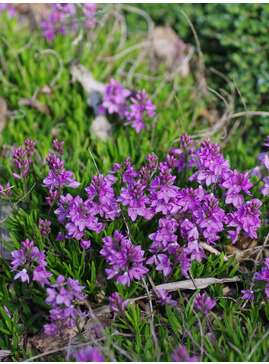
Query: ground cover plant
pixel 135 232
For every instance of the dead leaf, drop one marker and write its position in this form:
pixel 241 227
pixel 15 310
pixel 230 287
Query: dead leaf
pixel 244 248
pixel 164 40
pixel 35 104
pixel 101 127
pixel 47 90
pixel 3 113
pixel 4 353
pixel 43 342
pixel 195 284
pixel 94 89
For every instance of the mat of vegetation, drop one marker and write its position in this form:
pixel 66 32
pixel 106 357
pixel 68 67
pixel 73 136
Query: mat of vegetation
pixel 133 211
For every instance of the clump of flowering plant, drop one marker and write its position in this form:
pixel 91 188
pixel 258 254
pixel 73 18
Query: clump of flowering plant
pixel 264 276
pixel 181 355
pixel 89 354
pixel 61 295
pixel 63 17
pixel 118 100
pixel 203 303
pixel 31 262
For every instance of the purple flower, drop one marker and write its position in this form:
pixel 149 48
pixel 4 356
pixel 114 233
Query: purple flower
pixel 51 329
pixel 7 311
pixel 203 303
pixel 40 274
pixel 62 296
pixel 12 11
pixel 22 157
pixel 6 191
pixel 23 275
pixel 264 276
pixel 264 158
pixel 247 295
pixel 164 264
pixel 116 302
pixel 181 355
pixel 44 226
pixel 236 182
pixel 18 259
pixel 210 163
pixel 85 244
pixel 66 17
pixel 124 257
pixel 165 298
pixel 140 107
pixel 89 354
pixel 114 100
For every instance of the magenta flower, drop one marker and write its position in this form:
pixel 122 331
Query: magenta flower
pixel 44 226
pixel 40 274
pixel 116 302
pixel 115 98
pixel 163 264
pixel 164 298
pixel 141 106
pixel 89 354
pixel 181 355
pixel 23 275
pixel 203 303
pixel 247 295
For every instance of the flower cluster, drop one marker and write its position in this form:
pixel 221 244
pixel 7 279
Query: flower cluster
pixel 115 100
pixel 79 216
pixel 44 226
pixel 264 161
pixel 88 354
pixel 116 303
pixel 247 295
pixel 58 177
pixel 61 296
pixel 264 276
pixel 33 263
pixel 6 190
pixel 203 303
pixel 10 8
pixel 124 258
pixel 164 298
pixel 68 16
pixel 185 215
pixel 22 158
pixel 181 355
